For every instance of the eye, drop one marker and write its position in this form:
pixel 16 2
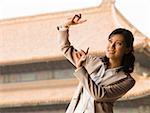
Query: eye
pixel 119 43
pixel 110 41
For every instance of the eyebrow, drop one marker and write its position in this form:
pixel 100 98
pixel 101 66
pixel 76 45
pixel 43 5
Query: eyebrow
pixel 117 40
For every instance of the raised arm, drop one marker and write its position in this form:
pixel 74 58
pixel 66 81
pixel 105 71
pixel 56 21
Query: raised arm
pixel 63 38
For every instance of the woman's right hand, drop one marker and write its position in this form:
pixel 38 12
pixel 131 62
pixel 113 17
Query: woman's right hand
pixel 76 19
pixel 80 57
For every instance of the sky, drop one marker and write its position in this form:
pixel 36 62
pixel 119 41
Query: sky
pixel 136 11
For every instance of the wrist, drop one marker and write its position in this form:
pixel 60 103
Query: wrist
pixel 66 25
pixel 78 65
pixel 78 68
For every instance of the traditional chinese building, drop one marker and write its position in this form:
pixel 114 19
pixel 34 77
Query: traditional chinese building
pixel 35 76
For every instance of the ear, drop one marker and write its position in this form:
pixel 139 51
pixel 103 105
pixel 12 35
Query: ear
pixel 127 50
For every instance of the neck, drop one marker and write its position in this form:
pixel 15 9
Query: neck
pixel 114 63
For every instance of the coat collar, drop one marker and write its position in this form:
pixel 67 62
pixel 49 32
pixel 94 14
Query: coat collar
pixel 93 64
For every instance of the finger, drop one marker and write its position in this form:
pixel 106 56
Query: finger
pixel 87 51
pixel 73 19
pixel 78 55
pixel 78 16
pixel 82 52
pixel 76 19
pixel 83 55
pixel 82 21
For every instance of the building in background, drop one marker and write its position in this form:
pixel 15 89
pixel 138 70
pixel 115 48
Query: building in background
pixel 36 78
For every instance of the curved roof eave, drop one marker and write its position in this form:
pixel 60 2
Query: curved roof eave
pixel 45 24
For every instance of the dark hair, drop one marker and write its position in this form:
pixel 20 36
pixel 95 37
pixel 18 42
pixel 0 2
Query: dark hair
pixel 128 59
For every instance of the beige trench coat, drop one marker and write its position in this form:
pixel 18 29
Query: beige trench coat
pixel 105 93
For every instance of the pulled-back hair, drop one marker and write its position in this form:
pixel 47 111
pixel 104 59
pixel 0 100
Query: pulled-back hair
pixel 128 59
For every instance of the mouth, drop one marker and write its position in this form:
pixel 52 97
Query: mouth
pixel 111 51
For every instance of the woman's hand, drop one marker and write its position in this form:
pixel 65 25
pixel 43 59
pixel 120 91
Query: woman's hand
pixel 80 58
pixel 76 19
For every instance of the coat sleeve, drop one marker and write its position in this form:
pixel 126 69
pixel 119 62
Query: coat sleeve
pixel 104 93
pixel 64 44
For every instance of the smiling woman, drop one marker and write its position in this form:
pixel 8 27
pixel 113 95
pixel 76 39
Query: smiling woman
pixel 120 49
pixel 29 49
pixel 102 80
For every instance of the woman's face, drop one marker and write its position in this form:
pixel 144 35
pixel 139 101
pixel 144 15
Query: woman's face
pixel 116 47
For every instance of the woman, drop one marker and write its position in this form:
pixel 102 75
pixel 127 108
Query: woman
pixel 101 80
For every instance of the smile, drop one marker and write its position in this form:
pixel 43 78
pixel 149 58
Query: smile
pixel 111 52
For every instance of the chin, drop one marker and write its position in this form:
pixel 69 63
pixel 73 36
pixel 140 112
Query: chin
pixel 109 55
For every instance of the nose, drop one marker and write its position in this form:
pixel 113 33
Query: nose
pixel 112 45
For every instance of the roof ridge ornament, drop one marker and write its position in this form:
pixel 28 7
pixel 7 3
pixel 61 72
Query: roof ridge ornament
pixel 108 1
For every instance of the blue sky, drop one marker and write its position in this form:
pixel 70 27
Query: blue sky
pixel 136 11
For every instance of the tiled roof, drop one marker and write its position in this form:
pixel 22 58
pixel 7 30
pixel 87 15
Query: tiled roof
pixel 33 38
pixel 56 92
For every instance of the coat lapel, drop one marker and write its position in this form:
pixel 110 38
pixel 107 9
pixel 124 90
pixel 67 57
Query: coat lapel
pixel 113 78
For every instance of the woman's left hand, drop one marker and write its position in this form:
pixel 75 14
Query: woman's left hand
pixel 80 57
